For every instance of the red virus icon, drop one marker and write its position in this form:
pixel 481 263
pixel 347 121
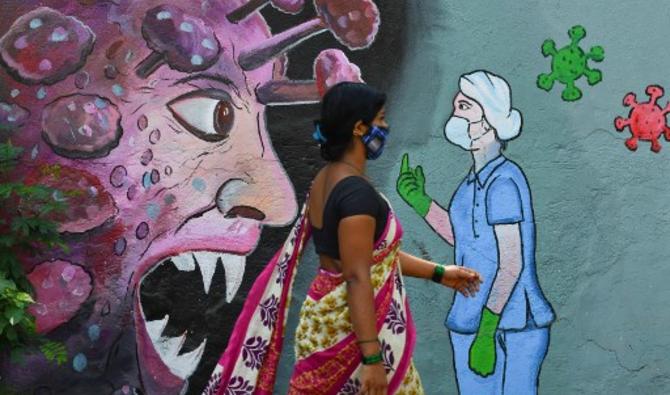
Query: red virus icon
pixel 646 121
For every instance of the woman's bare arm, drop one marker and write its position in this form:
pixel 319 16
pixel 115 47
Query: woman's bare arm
pixel 355 236
pixel 464 280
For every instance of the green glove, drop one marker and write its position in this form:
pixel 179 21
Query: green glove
pixel 483 349
pixel 411 187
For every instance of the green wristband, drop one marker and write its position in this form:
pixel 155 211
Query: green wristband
pixel 372 359
pixel 438 274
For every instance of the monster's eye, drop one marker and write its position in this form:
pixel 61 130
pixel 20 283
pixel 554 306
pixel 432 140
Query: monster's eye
pixel 208 114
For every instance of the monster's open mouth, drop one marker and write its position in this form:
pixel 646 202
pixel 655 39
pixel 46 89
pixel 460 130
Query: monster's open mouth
pixel 183 298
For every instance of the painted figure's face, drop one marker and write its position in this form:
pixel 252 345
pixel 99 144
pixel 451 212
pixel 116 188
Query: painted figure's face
pixel 467 126
pixel 145 108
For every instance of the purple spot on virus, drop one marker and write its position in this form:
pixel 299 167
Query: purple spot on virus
pixel 142 230
pixel 154 136
pixel 118 176
pixel 169 198
pixel 111 71
pixel 146 157
pixel 146 180
pixel 106 309
pixel 155 176
pixel 81 80
pixel 142 122
pixel 132 192
pixel 12 116
pixel 120 246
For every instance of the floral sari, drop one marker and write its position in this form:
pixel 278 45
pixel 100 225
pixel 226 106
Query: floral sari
pixel 328 358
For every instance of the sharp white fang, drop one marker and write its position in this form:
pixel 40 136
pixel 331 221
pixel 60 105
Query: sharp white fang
pixel 185 364
pixel 184 262
pixel 234 267
pixel 168 347
pixel 207 261
pixel 155 328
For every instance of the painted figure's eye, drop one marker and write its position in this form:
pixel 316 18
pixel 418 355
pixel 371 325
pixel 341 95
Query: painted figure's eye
pixel 208 114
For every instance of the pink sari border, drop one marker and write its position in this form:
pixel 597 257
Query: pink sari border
pixel 234 348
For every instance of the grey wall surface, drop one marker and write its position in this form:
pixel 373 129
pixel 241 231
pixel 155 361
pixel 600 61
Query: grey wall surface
pixel 603 253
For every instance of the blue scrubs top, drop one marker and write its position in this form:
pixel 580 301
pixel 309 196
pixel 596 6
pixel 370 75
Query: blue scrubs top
pixel 497 194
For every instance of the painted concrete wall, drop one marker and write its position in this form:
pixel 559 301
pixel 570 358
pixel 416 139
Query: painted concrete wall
pixel 195 154
pixel 599 208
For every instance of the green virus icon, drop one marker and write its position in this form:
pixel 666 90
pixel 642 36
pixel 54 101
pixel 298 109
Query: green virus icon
pixel 569 64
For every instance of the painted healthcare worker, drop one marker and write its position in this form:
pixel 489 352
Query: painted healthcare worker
pixel 501 335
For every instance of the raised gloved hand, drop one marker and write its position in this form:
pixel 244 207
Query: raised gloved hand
pixel 411 187
pixel 483 349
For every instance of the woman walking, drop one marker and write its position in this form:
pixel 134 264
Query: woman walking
pixel 355 334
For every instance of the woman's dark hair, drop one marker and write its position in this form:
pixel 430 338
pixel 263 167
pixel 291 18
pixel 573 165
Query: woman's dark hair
pixel 342 106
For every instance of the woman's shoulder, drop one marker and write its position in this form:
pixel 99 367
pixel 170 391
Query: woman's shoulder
pixel 353 183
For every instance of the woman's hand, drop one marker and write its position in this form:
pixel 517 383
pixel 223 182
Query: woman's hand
pixel 373 378
pixel 462 279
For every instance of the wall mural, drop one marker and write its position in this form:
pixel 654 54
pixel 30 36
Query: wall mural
pixel 500 336
pixel 157 111
pixel 570 64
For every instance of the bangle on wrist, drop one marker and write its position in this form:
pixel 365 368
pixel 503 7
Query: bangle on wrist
pixel 375 340
pixel 372 359
pixel 438 273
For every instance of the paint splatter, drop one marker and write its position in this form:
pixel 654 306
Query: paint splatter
pixel 146 157
pixel 82 79
pixel 41 93
pixel 142 230
pixel 120 246
pixel 111 72
pixel 153 210
pixel 132 192
pixel 155 176
pixel 117 90
pixel 94 332
pixel 142 122
pixel 146 180
pixel 118 176
pixel 79 362
pixel 199 184
pixel 154 136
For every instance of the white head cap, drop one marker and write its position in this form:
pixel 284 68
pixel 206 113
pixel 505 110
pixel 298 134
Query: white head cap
pixel 493 94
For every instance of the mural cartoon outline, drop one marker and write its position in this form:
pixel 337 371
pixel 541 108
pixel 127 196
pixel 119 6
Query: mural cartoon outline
pixel 498 344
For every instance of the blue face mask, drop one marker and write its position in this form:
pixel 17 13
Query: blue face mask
pixel 374 141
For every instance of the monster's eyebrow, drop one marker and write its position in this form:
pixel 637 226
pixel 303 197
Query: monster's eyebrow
pixel 206 76
pixel 212 77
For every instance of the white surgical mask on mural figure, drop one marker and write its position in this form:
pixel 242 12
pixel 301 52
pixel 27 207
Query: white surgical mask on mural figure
pixel 456 131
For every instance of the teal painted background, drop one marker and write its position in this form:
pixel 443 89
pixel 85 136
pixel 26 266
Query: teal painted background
pixel 603 253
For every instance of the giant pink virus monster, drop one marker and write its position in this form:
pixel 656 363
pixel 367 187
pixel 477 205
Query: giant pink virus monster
pixel 155 111
pixel 646 121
